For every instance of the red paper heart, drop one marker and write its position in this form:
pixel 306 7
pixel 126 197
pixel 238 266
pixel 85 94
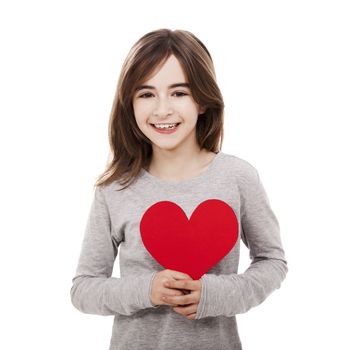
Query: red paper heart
pixel 191 246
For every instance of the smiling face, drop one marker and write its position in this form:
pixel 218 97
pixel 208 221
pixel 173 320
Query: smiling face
pixel 166 98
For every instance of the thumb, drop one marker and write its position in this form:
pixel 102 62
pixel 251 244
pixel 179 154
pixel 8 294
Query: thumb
pixel 179 275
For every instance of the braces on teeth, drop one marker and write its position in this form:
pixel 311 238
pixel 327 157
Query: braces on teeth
pixel 165 126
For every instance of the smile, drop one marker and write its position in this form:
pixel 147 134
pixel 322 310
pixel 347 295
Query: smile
pixel 166 128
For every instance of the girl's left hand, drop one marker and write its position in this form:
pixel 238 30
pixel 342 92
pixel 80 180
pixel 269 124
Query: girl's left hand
pixel 187 304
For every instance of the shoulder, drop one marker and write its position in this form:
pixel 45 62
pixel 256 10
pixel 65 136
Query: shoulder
pixel 110 191
pixel 244 174
pixel 241 169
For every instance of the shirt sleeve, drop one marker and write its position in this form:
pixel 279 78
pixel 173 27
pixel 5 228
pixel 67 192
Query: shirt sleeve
pixel 94 291
pixel 228 295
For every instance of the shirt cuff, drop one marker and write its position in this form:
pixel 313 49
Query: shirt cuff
pixel 216 290
pixel 203 299
pixel 150 304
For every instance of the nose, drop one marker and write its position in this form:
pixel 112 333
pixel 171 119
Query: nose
pixel 162 108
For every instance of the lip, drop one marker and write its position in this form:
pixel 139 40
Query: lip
pixel 165 131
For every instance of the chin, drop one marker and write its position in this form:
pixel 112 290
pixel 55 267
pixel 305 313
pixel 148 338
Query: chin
pixel 164 147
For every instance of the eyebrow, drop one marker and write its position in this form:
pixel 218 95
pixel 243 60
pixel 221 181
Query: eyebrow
pixel 170 86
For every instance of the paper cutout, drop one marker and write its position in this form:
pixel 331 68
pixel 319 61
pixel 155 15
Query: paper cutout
pixel 194 245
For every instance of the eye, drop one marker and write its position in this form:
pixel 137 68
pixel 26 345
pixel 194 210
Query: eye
pixel 176 93
pixel 180 93
pixel 145 95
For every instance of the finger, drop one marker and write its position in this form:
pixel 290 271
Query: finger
pixel 183 284
pixel 186 310
pixel 184 299
pixel 179 275
pixel 173 292
pixel 192 316
pixel 179 300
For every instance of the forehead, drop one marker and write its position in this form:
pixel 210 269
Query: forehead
pixel 169 72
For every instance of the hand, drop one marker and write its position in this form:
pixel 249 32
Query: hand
pixel 159 290
pixel 185 305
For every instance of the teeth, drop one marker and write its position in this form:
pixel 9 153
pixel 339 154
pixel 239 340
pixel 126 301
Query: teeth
pixel 165 126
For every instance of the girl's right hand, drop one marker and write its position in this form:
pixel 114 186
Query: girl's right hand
pixel 158 290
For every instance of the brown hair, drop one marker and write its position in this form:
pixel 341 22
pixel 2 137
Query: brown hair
pixel 131 150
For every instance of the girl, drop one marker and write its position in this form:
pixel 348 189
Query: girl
pixel 165 133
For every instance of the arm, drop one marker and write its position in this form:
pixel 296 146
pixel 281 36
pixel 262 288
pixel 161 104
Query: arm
pixel 94 291
pixel 228 295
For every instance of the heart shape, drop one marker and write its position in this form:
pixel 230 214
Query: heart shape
pixel 190 246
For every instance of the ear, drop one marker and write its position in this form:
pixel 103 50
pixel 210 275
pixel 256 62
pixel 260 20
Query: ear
pixel 202 110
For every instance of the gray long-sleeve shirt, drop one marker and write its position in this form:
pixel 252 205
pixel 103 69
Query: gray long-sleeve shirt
pixel 113 228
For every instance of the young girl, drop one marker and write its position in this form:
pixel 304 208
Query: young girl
pixel 165 132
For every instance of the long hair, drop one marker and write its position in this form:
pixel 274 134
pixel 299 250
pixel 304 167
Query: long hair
pixel 130 149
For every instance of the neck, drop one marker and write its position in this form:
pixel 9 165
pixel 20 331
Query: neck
pixel 172 165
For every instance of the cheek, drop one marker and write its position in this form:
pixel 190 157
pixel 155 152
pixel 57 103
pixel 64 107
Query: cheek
pixel 138 116
pixel 142 109
pixel 188 107
pixel 138 111
pixel 140 122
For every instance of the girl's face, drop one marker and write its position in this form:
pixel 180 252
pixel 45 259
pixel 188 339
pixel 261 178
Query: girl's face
pixel 166 99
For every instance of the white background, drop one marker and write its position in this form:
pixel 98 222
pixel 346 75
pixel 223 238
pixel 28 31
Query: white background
pixel 283 68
